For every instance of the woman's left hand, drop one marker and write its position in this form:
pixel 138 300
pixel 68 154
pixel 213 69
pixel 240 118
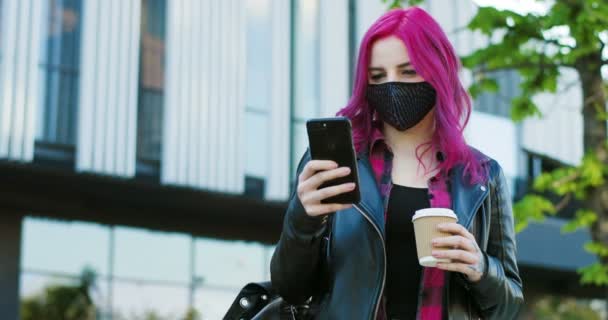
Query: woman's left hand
pixel 463 250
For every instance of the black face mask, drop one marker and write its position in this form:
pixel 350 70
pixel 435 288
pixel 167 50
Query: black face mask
pixel 401 104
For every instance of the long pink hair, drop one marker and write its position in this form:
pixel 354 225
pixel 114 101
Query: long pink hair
pixel 433 58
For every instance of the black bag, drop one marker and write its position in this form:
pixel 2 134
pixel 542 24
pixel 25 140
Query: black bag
pixel 258 300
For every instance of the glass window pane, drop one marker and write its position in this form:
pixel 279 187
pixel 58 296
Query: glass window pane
pixel 229 264
pixel 213 303
pixel 300 143
pixel 64 247
pixel 60 65
pixel 143 300
pixel 151 82
pixel 307 63
pixel 142 254
pixel 256 128
pixel 268 252
pixel 1 31
pixel 33 287
pixel 259 45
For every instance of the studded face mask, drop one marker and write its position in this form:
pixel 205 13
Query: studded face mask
pixel 401 104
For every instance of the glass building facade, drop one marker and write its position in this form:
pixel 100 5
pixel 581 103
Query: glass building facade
pixel 141 272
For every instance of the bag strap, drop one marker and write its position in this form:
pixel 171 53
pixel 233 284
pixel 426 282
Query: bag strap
pixel 250 300
pixel 258 296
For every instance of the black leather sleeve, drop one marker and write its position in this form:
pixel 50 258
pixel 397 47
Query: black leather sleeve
pixel 499 292
pixel 295 266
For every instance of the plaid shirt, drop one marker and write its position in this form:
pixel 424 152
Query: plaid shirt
pixel 430 294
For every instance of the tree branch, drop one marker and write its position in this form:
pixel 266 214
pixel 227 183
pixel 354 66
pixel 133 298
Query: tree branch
pixel 569 178
pixel 555 42
pixel 563 202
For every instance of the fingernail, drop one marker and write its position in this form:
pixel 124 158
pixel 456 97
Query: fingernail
pixel 346 170
pixel 351 186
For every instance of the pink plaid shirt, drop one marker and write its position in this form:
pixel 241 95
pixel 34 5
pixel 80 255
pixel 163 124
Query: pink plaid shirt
pixel 430 295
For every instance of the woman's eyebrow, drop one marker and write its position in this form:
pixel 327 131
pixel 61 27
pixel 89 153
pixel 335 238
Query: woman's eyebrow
pixel 403 65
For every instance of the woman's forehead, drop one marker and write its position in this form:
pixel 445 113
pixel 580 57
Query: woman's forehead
pixel 388 52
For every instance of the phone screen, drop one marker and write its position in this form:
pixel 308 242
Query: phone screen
pixel 331 139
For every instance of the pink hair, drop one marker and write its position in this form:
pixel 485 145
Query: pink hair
pixel 433 58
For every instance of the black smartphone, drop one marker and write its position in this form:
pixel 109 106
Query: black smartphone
pixel 331 139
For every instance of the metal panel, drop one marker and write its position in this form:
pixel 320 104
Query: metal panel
pixel 109 152
pixel 169 165
pixel 133 64
pixel 9 29
pixel 334 70
pixel 122 95
pixel 241 66
pixel 108 98
pixel 101 93
pixel 205 116
pixel 194 104
pixel 184 86
pixel 215 91
pixel 21 61
pixel 278 179
pixel 34 80
pixel 204 79
pixel 19 77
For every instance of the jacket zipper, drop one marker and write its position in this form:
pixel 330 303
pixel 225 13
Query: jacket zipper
pixel 379 297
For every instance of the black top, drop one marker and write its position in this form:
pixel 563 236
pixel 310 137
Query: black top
pixel 403 271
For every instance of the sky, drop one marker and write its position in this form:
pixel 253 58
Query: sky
pixel 520 6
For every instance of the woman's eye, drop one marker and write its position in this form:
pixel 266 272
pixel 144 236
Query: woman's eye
pixel 377 76
pixel 409 72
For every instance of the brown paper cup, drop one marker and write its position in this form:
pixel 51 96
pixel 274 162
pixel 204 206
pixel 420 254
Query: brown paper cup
pixel 425 227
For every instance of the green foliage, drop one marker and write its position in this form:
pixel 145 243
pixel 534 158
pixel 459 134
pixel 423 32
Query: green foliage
pixel 583 219
pixel 62 302
pixel 392 4
pixel 596 248
pixel 596 274
pixel 531 208
pixel 193 314
pixel 573 180
pixel 571 35
pixel 561 308
pixel 483 84
pixel 537 45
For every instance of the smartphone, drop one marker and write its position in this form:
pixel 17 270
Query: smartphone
pixel 331 139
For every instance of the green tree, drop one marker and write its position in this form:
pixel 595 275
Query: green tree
pixel 571 35
pixel 62 302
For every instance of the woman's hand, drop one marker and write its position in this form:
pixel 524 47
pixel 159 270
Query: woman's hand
pixel 313 175
pixel 463 250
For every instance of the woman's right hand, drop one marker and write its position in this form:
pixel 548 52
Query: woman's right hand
pixel 315 173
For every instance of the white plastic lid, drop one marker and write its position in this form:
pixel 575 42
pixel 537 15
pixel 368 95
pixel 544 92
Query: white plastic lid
pixel 430 261
pixel 434 212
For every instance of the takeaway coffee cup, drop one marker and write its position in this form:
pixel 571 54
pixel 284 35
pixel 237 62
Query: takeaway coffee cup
pixel 425 227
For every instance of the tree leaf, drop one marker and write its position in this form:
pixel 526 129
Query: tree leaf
pixel 583 219
pixel 531 208
pixel 595 273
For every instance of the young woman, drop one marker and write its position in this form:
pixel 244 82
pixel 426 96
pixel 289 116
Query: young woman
pixel 408 111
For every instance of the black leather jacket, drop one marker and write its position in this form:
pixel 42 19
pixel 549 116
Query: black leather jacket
pixel 349 275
